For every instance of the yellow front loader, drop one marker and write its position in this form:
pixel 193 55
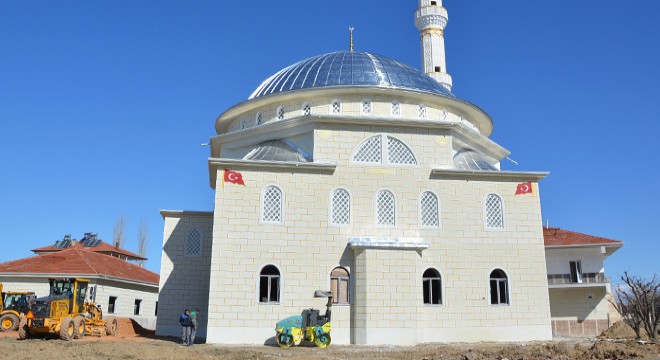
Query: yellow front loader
pixel 13 304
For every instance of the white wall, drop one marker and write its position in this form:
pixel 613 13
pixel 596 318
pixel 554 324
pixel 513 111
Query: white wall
pixel 558 260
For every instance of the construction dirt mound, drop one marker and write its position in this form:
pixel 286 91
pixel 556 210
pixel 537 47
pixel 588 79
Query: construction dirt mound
pixel 130 328
pixel 621 330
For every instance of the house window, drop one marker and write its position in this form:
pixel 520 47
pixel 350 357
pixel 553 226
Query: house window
pixel 306 109
pixel 259 119
pixel 432 287
pixel 339 285
pixel 244 124
pixel 421 111
pixel 385 208
pixel 576 271
pixel 193 242
pixel 111 304
pixel 271 204
pixel 136 307
pixel 269 285
pixel 494 212
pixel 499 288
pixel 335 107
pixel 394 153
pixel 280 113
pixel 365 107
pixel 429 214
pixel 340 208
pixel 395 108
pixel 156 310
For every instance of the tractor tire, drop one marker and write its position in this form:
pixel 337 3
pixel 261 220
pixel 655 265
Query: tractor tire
pixel 8 322
pixel 67 329
pixel 23 332
pixel 80 326
pixel 111 325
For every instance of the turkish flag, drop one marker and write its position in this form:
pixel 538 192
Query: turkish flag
pixel 524 188
pixel 233 177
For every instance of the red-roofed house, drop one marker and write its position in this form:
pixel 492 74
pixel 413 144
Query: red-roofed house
pixel 121 288
pixel 577 283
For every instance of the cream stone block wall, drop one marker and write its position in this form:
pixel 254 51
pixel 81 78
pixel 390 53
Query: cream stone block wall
pixel 184 280
pixel 37 285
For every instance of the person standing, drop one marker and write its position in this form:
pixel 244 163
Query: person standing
pixel 184 320
pixel 193 322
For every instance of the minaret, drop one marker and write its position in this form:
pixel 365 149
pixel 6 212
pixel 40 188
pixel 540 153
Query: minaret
pixel 430 20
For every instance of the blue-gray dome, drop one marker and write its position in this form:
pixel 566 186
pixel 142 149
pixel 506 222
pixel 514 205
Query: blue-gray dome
pixel 345 68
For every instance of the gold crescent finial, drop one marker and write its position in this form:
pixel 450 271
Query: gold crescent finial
pixel 350 45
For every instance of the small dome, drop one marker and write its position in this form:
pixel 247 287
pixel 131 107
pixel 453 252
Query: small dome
pixel 467 159
pixel 278 150
pixel 345 68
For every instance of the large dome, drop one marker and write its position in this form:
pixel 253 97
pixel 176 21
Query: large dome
pixel 345 68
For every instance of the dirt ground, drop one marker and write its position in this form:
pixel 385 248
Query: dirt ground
pixel 133 342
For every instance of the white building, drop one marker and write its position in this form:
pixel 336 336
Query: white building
pixel 354 172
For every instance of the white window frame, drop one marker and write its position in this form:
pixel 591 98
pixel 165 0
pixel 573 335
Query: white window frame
pixel 419 111
pixel 262 203
pixel 442 287
pixel 303 106
pixel 508 287
pixel 396 212
pixel 201 241
pixel 258 118
pixel 384 154
pixel 349 297
pixel 419 202
pixel 396 104
pixel 280 109
pixel 371 107
pixel 280 283
pixel 485 213
pixel 331 207
pixel 332 105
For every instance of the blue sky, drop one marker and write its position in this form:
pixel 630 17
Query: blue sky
pixel 104 104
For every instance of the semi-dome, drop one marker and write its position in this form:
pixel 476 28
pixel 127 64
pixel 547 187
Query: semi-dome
pixel 346 68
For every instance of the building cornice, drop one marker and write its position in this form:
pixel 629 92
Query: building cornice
pixel 188 213
pixel 488 175
pixel 86 276
pixel 215 163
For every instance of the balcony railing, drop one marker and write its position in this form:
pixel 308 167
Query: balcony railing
pixel 587 278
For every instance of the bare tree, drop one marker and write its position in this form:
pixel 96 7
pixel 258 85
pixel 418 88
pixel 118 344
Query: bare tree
pixel 143 240
pixel 637 301
pixel 118 232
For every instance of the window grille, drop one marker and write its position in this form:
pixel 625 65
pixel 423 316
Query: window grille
pixel 366 107
pixel 432 287
pixel 269 285
pixel 499 288
pixel 243 124
pixel 259 119
pixel 306 109
pixel 280 113
pixel 340 285
pixel 396 108
pixel 494 214
pixel 398 152
pixel 271 205
pixel 421 111
pixel 193 244
pixel 341 207
pixel 370 151
pixel 385 208
pixel 428 207
pixel 336 107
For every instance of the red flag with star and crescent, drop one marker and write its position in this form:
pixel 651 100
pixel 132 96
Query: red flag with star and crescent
pixel 233 177
pixel 524 188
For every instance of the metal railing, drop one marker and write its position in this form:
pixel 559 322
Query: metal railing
pixel 587 278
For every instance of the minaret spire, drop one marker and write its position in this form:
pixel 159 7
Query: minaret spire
pixel 431 19
pixel 350 44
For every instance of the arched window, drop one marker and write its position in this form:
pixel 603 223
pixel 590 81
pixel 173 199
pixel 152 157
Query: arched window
pixel 499 288
pixel 384 149
pixel 429 213
pixel 269 285
pixel 306 108
pixel 365 107
pixel 340 285
pixel 421 111
pixel 258 119
pixel 271 205
pixel 280 113
pixel 340 207
pixel 335 107
pixel 494 212
pixel 244 124
pixel 395 108
pixel 193 242
pixel 385 208
pixel 432 284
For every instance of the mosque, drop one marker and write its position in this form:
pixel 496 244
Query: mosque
pixel 356 173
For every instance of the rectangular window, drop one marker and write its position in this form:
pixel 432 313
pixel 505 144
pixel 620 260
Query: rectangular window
pixel 339 288
pixel 136 308
pixel 576 271
pixel 156 311
pixel 111 304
